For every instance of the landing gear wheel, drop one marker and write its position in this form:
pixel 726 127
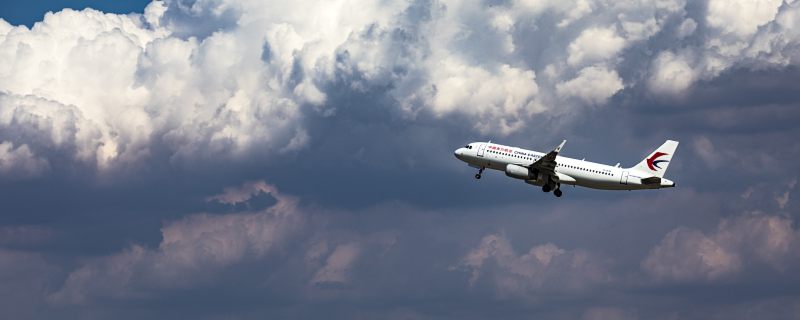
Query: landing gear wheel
pixel 478 175
pixel 557 193
pixel 546 188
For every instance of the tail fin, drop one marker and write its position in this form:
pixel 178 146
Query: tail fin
pixel 658 161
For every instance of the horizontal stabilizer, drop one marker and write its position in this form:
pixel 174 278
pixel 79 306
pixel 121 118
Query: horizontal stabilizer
pixel 651 180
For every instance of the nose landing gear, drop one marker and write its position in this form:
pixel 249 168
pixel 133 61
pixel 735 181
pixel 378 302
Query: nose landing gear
pixel 478 175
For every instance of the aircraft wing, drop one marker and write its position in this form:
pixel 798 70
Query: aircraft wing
pixel 547 163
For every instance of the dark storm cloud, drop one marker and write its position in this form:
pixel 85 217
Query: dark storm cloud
pixel 268 167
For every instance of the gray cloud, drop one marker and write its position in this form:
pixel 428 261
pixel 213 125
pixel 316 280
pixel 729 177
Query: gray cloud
pixel 738 243
pixel 20 161
pixel 25 277
pixel 123 135
pixel 543 267
pixel 190 252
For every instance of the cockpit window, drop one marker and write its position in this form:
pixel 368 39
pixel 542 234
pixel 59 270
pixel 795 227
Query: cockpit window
pixel 468 146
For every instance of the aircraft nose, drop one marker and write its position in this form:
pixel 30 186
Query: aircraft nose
pixel 458 152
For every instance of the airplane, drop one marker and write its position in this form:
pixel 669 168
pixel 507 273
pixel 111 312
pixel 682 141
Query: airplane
pixel 550 170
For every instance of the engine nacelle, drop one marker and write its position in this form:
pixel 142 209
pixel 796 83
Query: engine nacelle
pixel 520 172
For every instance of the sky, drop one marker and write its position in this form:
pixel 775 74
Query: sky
pixel 245 159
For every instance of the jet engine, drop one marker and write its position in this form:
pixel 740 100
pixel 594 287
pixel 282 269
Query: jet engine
pixel 520 172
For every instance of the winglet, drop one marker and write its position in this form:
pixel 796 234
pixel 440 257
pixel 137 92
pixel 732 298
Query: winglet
pixel 558 149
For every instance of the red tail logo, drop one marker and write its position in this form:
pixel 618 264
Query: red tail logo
pixel 653 163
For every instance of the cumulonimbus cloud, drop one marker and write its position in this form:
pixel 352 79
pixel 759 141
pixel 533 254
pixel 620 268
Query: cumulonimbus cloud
pixel 226 78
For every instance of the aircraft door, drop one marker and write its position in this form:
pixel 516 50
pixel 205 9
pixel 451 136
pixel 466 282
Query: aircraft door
pixel 481 149
pixel 624 179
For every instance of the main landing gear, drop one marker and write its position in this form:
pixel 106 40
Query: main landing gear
pixel 478 175
pixel 557 192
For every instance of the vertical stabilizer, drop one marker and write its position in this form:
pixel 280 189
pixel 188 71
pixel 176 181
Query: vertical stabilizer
pixel 657 162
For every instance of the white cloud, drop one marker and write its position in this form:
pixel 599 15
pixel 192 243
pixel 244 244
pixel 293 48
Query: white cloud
pixel 749 34
pixel 595 45
pixel 593 85
pixel 225 79
pixel 578 9
pixel 737 244
pixel 129 85
pixel 499 99
pixel 741 17
pixel 635 30
pixel 671 74
pixel 775 44
pixel 686 28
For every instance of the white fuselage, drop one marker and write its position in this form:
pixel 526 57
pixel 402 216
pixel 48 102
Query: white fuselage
pixel 569 171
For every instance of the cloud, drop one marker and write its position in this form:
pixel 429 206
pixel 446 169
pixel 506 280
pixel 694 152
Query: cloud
pixel 11 236
pixel 594 45
pixel 499 99
pixel 593 85
pixel 304 253
pixel 686 254
pixel 783 199
pixel 287 247
pixel 236 195
pixel 496 264
pixel 671 74
pixel 687 28
pixel 741 17
pixel 336 269
pixel 226 80
pixel 704 148
pixel 608 313
pixel 193 96
pixel 20 161
pixel 25 278
pixel 192 251
pixel 206 96
pixel 743 34
pixel 742 243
